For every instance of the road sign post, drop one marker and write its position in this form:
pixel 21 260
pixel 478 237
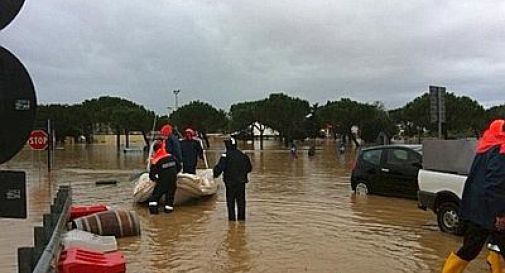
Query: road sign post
pixel 50 145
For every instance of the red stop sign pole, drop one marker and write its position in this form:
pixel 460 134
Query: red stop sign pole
pixel 38 140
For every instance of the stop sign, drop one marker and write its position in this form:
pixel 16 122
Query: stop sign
pixel 38 140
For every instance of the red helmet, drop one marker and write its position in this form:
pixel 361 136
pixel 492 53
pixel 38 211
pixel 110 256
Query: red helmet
pixel 493 136
pixel 189 133
pixel 166 130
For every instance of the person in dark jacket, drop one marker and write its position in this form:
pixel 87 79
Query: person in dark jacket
pixel 164 169
pixel 172 144
pixel 483 202
pixel 191 151
pixel 235 165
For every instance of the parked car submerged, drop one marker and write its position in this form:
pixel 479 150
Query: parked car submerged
pixel 388 170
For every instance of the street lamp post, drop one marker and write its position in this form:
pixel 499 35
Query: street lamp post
pixel 176 92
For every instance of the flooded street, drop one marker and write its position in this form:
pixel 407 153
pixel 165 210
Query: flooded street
pixel 301 217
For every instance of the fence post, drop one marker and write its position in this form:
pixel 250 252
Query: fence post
pixel 25 259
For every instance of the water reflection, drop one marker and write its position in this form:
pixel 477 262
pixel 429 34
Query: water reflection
pixel 235 246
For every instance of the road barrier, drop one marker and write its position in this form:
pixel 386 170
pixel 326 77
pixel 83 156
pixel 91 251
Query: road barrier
pixel 41 258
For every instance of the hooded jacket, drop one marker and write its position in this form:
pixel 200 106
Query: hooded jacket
pixel 494 136
pixel 191 151
pixel 172 143
pixel 484 193
pixel 163 165
pixel 234 164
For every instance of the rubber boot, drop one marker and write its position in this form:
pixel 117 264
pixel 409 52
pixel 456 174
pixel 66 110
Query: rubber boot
pixel 495 262
pixel 153 207
pixel 454 264
pixel 168 209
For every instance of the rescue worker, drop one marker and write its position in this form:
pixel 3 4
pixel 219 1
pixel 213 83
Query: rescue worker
pixel 312 150
pixel 235 165
pixel 164 169
pixel 341 148
pixel 172 143
pixel 483 202
pixel 191 151
pixel 292 149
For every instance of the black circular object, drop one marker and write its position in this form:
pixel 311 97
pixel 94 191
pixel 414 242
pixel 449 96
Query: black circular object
pixel 8 10
pixel 17 105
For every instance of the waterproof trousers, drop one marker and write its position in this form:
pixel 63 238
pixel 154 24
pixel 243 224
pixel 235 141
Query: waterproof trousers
pixel 165 187
pixel 235 194
pixel 474 239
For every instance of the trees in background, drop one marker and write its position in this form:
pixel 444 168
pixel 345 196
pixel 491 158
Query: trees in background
pixel 247 116
pixel 495 112
pixel 293 118
pixel 280 112
pixel 66 120
pixel 465 116
pixel 345 113
pixel 120 115
pixel 199 116
pixel 286 115
pixel 96 115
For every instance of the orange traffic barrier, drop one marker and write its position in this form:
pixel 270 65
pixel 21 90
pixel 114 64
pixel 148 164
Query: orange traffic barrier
pixel 78 260
pixel 80 211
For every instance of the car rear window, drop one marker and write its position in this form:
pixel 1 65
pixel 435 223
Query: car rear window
pixel 372 156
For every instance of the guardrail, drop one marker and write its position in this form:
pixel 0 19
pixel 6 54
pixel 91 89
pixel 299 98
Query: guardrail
pixel 42 257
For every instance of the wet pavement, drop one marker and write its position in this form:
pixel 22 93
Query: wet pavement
pixel 301 217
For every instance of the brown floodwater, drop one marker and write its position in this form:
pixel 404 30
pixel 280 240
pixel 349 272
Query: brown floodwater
pixel 301 217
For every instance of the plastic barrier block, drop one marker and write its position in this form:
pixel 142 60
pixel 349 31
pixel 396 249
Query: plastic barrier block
pixel 78 260
pixel 80 211
pixel 85 240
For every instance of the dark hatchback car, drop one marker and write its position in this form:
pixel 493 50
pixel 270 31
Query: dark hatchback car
pixel 388 170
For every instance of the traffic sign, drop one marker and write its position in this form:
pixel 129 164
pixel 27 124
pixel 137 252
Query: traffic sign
pixel 8 10
pixel 17 105
pixel 13 194
pixel 437 104
pixel 38 140
pixel 437 107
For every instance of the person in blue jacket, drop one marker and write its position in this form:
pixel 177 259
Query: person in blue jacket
pixel 483 202
pixel 191 151
pixel 235 165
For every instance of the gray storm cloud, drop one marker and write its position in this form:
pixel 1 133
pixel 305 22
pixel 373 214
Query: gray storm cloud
pixel 223 52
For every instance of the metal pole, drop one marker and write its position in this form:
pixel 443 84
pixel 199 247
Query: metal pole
pixel 50 143
pixel 439 110
pixel 176 92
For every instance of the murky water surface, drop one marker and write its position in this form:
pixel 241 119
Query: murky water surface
pixel 301 217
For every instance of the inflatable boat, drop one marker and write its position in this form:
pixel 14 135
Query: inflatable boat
pixel 189 186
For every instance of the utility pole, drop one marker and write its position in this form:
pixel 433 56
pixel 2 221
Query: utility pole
pixel 176 92
pixel 439 119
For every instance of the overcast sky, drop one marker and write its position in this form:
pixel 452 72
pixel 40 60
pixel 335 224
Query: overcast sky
pixel 224 52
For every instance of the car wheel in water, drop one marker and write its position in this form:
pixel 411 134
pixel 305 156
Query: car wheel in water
pixel 362 189
pixel 448 218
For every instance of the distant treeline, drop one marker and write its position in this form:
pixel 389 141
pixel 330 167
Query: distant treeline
pixel 292 117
